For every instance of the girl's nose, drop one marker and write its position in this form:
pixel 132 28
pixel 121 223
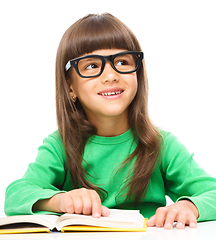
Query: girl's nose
pixel 109 74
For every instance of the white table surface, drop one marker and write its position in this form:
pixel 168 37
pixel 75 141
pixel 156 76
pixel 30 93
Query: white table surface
pixel 205 230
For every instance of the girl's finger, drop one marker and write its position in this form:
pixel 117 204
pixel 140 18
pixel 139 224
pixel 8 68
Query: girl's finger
pixel 151 221
pixel 77 202
pixel 105 212
pixel 192 221
pixel 170 218
pixel 182 218
pixel 160 216
pixel 67 203
pixel 96 204
pixel 87 202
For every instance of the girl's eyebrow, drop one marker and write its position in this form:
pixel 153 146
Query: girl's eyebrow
pixel 90 58
pixel 98 55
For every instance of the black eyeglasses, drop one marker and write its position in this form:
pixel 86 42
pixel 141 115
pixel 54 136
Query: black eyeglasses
pixel 93 65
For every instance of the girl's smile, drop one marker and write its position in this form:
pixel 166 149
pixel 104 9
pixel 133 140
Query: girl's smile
pixel 112 93
pixel 106 96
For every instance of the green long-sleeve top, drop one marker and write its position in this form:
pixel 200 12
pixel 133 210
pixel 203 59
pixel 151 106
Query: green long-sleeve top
pixel 176 175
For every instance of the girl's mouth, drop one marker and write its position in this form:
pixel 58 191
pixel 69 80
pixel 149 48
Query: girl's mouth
pixel 113 93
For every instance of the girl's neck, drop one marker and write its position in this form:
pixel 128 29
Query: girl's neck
pixel 110 126
pixel 112 130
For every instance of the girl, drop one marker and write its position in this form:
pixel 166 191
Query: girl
pixel 106 152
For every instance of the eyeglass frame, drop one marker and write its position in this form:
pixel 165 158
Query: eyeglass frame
pixel 74 62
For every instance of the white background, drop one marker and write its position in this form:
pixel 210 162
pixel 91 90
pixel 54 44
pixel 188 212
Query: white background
pixel 179 42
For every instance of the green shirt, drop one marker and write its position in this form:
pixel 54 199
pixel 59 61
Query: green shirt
pixel 176 175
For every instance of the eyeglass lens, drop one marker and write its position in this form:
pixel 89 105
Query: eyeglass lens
pixel 92 66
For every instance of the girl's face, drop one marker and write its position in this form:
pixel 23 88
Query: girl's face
pixel 96 94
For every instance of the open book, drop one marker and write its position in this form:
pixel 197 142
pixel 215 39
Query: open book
pixel 118 221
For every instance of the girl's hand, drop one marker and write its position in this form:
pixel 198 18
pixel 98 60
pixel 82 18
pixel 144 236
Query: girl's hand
pixel 83 201
pixel 78 201
pixel 183 212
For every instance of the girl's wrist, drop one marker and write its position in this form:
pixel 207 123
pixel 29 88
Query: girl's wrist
pixel 51 205
pixel 55 203
pixel 192 206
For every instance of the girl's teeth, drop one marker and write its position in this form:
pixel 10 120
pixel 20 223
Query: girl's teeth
pixel 110 93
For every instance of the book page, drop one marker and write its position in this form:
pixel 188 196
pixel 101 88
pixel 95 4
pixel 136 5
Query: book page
pixel 117 217
pixel 123 216
pixel 44 220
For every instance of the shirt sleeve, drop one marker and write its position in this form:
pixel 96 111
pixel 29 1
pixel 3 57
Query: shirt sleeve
pixel 43 179
pixel 185 179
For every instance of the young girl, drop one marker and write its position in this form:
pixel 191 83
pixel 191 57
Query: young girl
pixel 106 152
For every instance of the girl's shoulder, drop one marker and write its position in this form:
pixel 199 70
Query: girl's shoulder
pixel 164 133
pixel 54 137
pixel 173 151
pixel 168 137
pixel 54 142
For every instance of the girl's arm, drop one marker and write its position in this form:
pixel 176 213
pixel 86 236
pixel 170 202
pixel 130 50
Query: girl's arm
pixel 46 186
pixel 188 185
pixel 43 179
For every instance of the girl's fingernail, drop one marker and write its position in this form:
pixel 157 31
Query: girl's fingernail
pixel 168 226
pixel 180 225
pixel 96 215
pixel 193 225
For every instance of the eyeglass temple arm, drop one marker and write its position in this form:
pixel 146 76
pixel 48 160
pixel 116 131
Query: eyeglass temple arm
pixel 68 66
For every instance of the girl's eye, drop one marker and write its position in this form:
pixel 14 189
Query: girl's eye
pixel 92 66
pixel 122 62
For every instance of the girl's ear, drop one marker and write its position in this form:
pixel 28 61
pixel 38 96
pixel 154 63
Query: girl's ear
pixel 73 95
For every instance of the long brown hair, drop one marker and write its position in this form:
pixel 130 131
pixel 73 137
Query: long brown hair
pixel 88 34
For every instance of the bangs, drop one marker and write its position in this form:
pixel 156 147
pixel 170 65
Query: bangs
pixel 95 32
